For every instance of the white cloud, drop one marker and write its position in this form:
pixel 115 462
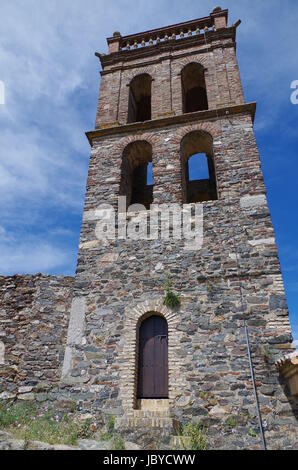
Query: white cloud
pixel 47 62
pixel 31 258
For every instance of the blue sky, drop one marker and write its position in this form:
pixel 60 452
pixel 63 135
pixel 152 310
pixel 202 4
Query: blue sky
pixel 51 81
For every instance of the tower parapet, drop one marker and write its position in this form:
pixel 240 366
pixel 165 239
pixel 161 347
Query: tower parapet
pixel 193 30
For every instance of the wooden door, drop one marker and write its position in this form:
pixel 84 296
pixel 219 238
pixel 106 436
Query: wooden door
pixel 153 358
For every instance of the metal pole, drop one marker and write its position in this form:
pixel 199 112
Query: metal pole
pixel 254 388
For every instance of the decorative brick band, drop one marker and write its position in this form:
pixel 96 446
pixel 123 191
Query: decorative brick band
pixel 245 109
pixel 154 140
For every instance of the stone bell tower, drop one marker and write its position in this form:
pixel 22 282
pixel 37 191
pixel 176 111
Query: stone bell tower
pixel 173 127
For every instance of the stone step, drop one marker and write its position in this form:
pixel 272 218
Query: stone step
pixel 151 414
pixel 153 422
pixel 153 404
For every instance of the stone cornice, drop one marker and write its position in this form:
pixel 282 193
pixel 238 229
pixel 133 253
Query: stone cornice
pixel 288 360
pixel 116 57
pixel 160 58
pixel 211 114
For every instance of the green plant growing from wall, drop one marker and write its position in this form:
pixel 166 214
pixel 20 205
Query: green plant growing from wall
pixel 194 436
pixel 26 442
pixel 110 429
pixel 231 422
pixel 111 435
pixel 118 443
pixel 204 395
pixel 111 424
pixel 171 299
pixel 252 433
pixel 265 352
pixel 209 288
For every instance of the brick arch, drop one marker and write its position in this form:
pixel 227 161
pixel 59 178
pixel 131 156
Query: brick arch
pixel 201 59
pixel 129 75
pixel 209 127
pixel 123 143
pixel 133 316
pixel 138 313
pixel 141 74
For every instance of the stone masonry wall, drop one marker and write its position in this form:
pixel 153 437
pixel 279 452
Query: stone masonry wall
pixel 34 315
pixel 234 276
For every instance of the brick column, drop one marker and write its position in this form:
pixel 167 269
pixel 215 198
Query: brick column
pixel 219 18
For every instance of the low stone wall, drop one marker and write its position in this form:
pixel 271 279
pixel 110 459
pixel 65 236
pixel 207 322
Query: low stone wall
pixel 34 314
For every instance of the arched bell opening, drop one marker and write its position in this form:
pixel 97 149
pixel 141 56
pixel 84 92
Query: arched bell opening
pixel 139 105
pixel 137 174
pixel 194 94
pixel 198 169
